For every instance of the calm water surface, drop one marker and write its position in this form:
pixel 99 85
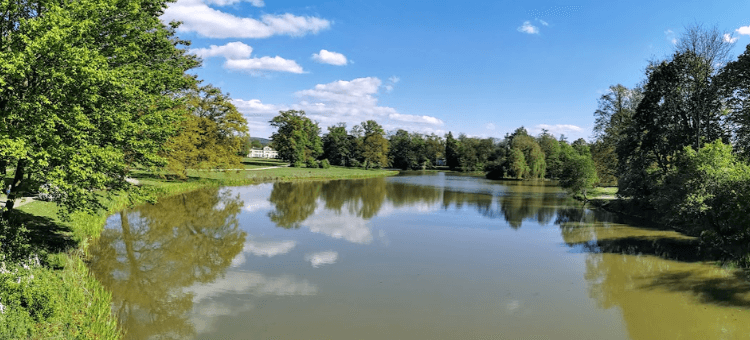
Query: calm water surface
pixel 408 257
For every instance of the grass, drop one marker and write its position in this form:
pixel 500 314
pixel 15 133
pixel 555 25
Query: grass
pixel 74 303
pixel 602 193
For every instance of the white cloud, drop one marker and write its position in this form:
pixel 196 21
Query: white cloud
pixel 670 36
pixel 257 205
pixel 543 22
pixel 255 66
pixel 557 130
pixel 321 258
pixel 394 79
pixel 744 30
pixel 213 300
pixel 340 226
pixel 328 57
pixel 528 28
pixel 489 126
pixel 267 249
pixel 415 119
pixel 232 50
pixel 198 17
pixel 351 102
pixel 256 3
pixel 730 39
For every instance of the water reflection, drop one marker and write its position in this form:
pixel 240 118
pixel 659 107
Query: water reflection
pixel 149 254
pixel 295 204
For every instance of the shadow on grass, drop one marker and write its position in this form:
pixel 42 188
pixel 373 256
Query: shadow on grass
pixel 262 162
pixel 729 291
pixel 44 233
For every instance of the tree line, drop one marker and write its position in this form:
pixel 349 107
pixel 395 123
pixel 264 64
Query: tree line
pixel 517 156
pixel 678 142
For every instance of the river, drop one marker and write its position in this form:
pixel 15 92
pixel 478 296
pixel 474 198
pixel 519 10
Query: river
pixel 416 256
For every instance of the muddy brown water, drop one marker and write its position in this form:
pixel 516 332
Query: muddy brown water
pixel 418 256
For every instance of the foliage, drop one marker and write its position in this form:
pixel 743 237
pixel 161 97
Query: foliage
pixel 296 138
pixel 337 145
pixel 551 149
pixel 517 167
pixel 325 164
pixel 88 89
pixel 708 192
pixel 451 151
pixel 578 171
pixel 735 86
pixel 374 145
pixel 211 134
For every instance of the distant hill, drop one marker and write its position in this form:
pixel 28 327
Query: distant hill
pixel 263 141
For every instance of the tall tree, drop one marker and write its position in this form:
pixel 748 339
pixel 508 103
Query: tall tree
pixel 451 151
pixel 297 137
pixel 87 89
pixel 402 153
pixel 211 134
pixel 337 146
pixel 735 84
pixel 374 145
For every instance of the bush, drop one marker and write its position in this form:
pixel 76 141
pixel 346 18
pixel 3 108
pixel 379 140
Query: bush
pixel 297 164
pixel 311 163
pixel 325 164
pixel 353 163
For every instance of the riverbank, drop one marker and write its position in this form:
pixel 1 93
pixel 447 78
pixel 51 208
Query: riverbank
pixel 49 292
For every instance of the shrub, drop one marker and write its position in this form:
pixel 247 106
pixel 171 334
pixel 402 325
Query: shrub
pixel 325 164
pixel 311 163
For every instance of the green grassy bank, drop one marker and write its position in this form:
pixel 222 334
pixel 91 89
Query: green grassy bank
pixel 46 290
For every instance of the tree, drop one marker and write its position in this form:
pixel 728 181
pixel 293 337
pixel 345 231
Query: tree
pixel 517 167
pixel 211 134
pixel 374 145
pixel 734 80
pixel 551 149
pixel 297 137
pixel 532 152
pixel 402 153
pixel 578 171
pixel 337 146
pixel 87 89
pixel 451 151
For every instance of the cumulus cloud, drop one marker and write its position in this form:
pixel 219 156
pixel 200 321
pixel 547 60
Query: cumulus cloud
pixel 489 126
pixel 256 66
pixel 267 249
pixel 196 16
pixel 744 30
pixel 348 101
pixel 729 38
pixel 237 56
pixel 321 258
pixel 256 3
pixel 328 57
pixel 528 28
pixel 232 50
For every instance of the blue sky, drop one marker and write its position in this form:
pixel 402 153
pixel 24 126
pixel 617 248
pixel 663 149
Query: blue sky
pixel 483 68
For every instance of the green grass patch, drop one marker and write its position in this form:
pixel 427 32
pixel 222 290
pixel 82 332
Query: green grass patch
pixel 602 192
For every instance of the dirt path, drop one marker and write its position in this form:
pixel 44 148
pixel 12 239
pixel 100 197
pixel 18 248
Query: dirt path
pixel 19 202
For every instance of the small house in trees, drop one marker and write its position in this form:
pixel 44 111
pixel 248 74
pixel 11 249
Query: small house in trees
pixel 266 152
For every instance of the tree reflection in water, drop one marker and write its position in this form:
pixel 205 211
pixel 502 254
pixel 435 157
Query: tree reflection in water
pixel 158 250
pixel 296 202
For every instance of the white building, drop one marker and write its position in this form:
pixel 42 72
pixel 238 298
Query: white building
pixel 266 152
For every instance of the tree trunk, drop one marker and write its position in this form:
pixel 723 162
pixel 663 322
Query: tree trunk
pixel 3 166
pixel 14 189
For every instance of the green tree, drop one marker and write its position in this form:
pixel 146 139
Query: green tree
pixel 578 171
pixel 517 167
pixel 451 151
pixel 211 134
pixel 297 137
pixel 532 153
pixel 374 145
pixel 402 151
pixel 337 146
pixel 735 83
pixel 87 90
pixel 551 149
